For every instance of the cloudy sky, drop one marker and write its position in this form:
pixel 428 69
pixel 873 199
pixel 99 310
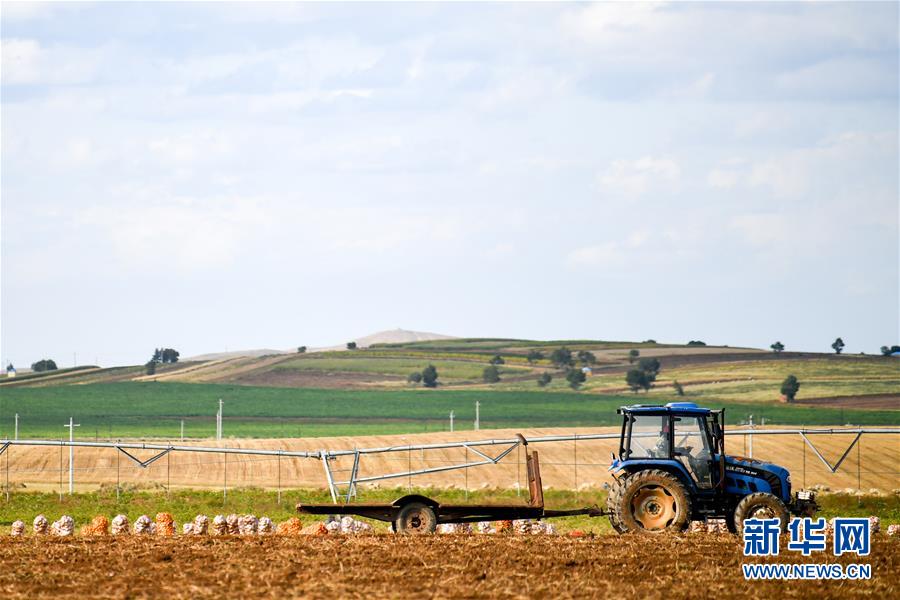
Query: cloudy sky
pixel 212 176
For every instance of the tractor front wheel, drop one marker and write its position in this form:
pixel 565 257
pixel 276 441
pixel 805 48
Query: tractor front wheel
pixel 651 501
pixel 760 505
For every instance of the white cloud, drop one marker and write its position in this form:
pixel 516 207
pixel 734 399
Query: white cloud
pixel 634 177
pixel 21 60
pixel 294 101
pixel 607 254
pixel 695 89
pixel 763 229
pixel 500 251
pixel 191 147
pixel 634 248
pixel 25 61
pixel 184 234
pixel 29 10
pixel 599 20
pixel 795 173
pixel 720 178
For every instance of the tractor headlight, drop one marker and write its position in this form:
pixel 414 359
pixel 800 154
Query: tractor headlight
pixel 804 495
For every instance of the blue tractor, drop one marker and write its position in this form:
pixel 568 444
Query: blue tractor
pixel 672 469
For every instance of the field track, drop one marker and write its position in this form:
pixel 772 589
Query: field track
pixel 468 566
pixel 37 468
pixel 876 401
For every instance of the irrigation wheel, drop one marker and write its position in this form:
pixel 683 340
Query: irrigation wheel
pixel 415 518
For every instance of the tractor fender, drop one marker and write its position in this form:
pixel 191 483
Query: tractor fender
pixel 399 502
pixel 669 466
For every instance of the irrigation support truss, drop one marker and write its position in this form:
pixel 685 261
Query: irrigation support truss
pixel 482 456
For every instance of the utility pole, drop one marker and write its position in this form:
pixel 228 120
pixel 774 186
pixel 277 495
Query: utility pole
pixel 750 444
pixel 72 425
pixel 451 421
pixel 219 421
pixel 477 415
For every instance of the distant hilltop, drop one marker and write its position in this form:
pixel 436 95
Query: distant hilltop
pixel 236 354
pixel 390 336
pixel 400 336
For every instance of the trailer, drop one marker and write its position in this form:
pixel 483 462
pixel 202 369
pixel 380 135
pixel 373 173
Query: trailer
pixel 414 513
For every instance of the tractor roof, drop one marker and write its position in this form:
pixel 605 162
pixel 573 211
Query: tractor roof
pixel 671 407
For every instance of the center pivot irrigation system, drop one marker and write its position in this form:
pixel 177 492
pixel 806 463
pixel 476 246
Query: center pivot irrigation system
pixel 344 490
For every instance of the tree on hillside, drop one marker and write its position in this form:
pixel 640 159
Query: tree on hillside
pixel 777 347
pixel 414 377
pixel 650 365
pixel 789 388
pixel 639 379
pixel 301 349
pixel 150 367
pixel 679 389
pixel 575 377
pixel 696 343
pixel 430 377
pixel 490 374
pixel 534 356
pixel 545 379
pixel 838 345
pixel 586 357
pixel 497 360
pixel 351 345
pixel 562 357
pixel 633 355
pixel 44 365
pixel 649 341
pixel 887 351
pixel 165 355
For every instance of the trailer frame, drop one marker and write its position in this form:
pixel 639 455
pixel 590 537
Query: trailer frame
pixel 415 513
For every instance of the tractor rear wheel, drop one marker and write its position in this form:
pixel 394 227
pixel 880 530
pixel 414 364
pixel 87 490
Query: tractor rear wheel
pixel 613 499
pixel 415 518
pixel 761 505
pixel 650 501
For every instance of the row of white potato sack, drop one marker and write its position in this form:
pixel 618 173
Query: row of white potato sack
pixel 521 527
pixel 164 525
pixel 719 526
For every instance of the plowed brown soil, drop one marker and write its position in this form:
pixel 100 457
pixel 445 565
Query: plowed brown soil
pixel 691 566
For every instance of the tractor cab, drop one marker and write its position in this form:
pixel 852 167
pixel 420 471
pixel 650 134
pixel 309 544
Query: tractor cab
pixel 690 438
pixel 672 468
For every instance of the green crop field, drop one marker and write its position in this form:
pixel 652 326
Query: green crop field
pixel 485 344
pixel 150 409
pixel 403 366
pixel 757 381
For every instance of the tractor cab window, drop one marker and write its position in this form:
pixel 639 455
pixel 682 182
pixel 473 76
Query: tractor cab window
pixel 692 448
pixel 649 436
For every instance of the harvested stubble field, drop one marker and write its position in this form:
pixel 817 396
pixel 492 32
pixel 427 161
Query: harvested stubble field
pixel 447 566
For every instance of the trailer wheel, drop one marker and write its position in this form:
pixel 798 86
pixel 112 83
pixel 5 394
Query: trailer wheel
pixel 761 505
pixel 415 518
pixel 650 501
